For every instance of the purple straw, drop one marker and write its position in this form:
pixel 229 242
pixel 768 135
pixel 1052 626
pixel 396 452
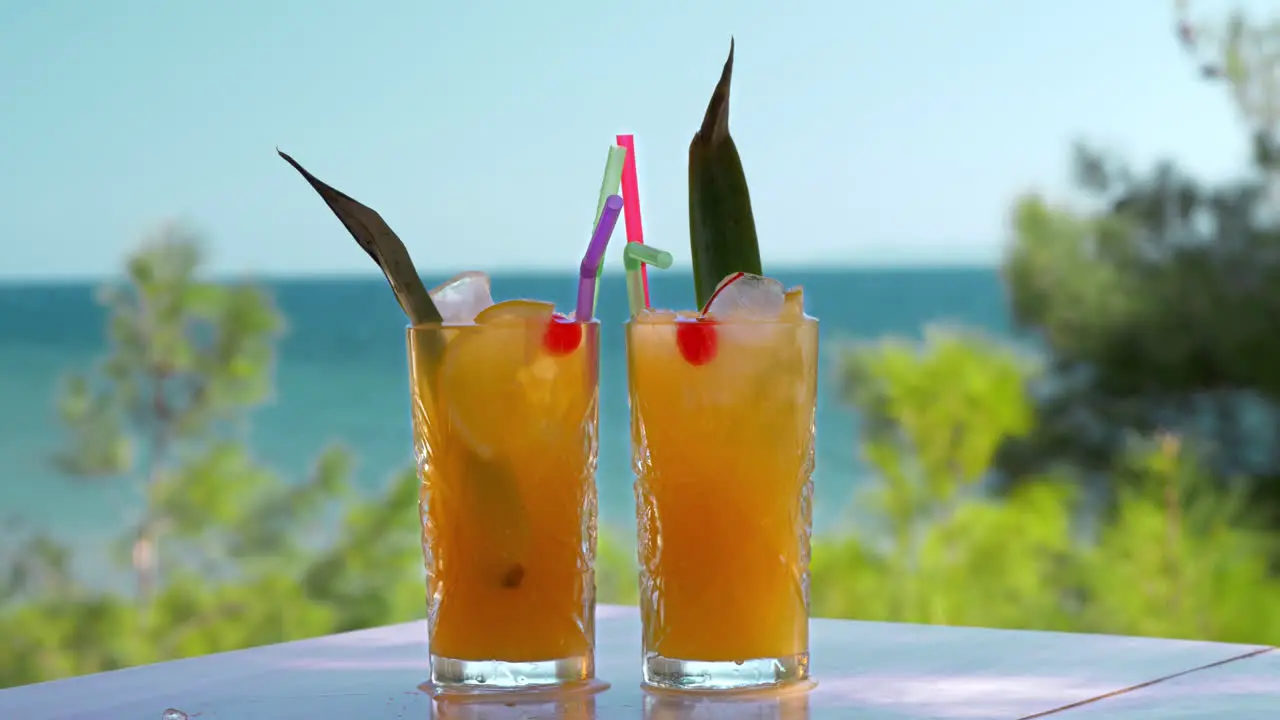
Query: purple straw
pixel 595 255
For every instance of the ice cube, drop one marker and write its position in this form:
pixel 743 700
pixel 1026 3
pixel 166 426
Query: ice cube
pixel 743 296
pixel 648 316
pixel 460 298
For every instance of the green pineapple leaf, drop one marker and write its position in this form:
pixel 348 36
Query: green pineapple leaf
pixel 722 230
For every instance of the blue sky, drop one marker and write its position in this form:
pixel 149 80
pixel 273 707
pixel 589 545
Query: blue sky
pixel 872 132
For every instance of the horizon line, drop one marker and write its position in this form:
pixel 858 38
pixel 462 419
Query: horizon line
pixel 227 276
pixel 371 274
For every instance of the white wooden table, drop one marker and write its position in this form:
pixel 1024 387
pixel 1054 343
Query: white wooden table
pixel 863 670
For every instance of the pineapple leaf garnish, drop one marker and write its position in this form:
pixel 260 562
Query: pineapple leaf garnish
pixel 377 239
pixel 722 230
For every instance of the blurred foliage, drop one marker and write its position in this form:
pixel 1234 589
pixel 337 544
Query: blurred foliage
pixel 187 358
pixel 1157 313
pixel 1158 403
pixel 1156 298
pixel 249 558
pixel 1178 556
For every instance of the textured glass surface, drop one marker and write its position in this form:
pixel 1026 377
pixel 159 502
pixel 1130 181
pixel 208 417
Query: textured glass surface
pixel 505 438
pixel 723 448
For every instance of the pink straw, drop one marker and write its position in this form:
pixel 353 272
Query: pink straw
pixel 631 205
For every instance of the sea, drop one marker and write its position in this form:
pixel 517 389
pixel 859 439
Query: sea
pixel 340 377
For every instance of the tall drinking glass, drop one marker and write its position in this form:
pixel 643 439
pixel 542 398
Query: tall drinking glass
pixel 504 422
pixel 722 421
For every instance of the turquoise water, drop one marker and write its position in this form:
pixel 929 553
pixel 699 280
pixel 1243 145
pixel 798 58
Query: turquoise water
pixel 340 376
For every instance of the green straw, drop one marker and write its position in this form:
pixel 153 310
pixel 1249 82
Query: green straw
pixel 608 186
pixel 632 256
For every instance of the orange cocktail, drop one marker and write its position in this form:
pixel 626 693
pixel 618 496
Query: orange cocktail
pixel 722 431
pixel 504 417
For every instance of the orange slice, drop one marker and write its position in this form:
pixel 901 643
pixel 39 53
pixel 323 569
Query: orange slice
pixel 511 311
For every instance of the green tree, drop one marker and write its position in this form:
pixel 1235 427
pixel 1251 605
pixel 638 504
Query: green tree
pixel 249 558
pixel 1178 557
pixel 1154 303
pixel 1156 298
pixel 187 359
pixel 1157 314
pixel 933 415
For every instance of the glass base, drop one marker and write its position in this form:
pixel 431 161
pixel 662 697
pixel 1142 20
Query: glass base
pixel 467 676
pixel 667 673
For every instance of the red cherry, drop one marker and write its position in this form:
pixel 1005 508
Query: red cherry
pixel 563 336
pixel 697 340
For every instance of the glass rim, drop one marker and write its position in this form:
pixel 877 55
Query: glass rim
pixel 770 322
pixel 436 326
